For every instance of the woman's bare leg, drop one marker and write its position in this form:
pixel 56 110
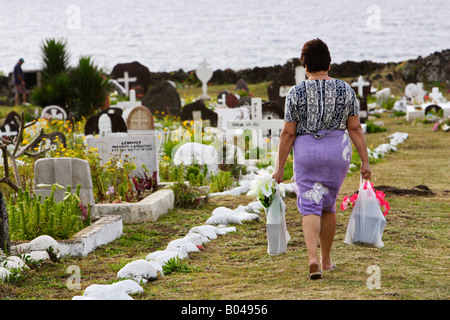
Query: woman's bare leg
pixel 326 238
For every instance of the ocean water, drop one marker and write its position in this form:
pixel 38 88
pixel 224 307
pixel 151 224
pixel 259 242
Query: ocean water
pixel 167 35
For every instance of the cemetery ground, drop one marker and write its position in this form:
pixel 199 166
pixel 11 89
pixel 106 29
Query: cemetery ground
pixel 413 263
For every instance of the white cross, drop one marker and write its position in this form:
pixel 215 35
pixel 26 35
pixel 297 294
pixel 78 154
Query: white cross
pixel 360 84
pixel 127 80
pixel 8 131
pixel 256 123
pixel 222 100
pixel 436 95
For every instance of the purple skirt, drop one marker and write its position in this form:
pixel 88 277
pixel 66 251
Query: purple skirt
pixel 320 167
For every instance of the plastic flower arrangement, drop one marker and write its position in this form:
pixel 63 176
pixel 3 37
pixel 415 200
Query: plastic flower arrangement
pixel 265 188
pixel 349 202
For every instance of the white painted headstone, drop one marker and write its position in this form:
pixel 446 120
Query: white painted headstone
pixel 411 91
pixel 104 125
pixel 204 73
pixel 127 80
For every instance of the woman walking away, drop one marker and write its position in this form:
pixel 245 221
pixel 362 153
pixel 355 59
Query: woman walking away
pixel 318 113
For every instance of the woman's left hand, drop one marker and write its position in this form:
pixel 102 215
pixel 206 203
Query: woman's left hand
pixel 278 176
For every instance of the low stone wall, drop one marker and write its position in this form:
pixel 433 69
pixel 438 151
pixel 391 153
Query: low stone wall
pixel 148 209
pixel 102 231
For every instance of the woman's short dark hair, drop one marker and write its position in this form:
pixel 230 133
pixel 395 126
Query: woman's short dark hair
pixel 315 55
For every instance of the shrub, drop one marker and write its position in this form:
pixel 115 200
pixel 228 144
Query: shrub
pixel 90 87
pixel 221 181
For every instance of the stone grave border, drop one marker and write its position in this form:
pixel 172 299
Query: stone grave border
pixel 101 232
pixel 148 209
pixel 109 225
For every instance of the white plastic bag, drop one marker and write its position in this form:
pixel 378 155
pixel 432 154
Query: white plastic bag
pixel 367 222
pixel 277 234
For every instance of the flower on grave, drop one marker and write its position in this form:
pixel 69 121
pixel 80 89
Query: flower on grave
pixel 110 191
pixel 349 202
pixel 264 188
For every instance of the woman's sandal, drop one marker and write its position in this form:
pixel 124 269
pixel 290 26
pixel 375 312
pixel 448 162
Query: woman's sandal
pixel 333 266
pixel 315 275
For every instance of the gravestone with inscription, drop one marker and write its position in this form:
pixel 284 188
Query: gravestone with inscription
pixel 140 149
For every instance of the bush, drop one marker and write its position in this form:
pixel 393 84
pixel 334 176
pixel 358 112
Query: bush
pixel 221 181
pixel 186 196
pixel 54 89
pixel 90 88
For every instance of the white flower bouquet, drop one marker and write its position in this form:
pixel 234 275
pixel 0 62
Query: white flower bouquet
pixel 269 193
pixel 264 188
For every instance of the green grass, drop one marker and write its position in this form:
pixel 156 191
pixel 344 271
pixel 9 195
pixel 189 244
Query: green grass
pixel 413 263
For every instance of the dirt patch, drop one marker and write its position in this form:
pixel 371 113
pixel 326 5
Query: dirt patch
pixel 419 190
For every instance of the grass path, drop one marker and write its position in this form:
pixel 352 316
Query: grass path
pixel 413 264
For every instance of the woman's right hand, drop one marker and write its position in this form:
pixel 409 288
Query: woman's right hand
pixel 366 173
pixel 278 176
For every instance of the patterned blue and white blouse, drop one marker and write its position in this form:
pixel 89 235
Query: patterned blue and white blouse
pixel 320 105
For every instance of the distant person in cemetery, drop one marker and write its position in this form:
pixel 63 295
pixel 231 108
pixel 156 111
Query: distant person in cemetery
pixel 19 83
pixel 318 111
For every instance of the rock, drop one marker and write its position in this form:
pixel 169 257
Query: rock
pixel 223 219
pixel 196 238
pixel 37 256
pixel 138 270
pixel 4 274
pixel 208 231
pixel 134 69
pixel 43 243
pixel 163 98
pixel 433 68
pixel 128 286
pixel 182 247
pixel 14 262
pixel 105 292
pixel 161 256
pixel 158 267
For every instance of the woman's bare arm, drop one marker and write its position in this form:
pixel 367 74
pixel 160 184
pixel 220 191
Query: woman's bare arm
pixel 357 136
pixel 287 138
